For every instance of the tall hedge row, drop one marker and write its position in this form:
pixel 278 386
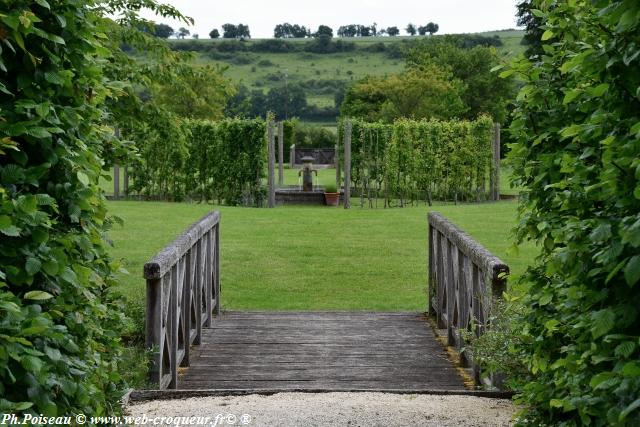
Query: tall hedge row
pixel 59 323
pixel 577 126
pixel 201 160
pixel 422 160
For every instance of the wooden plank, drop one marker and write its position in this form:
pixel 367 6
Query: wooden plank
pixel 147 395
pixel 321 350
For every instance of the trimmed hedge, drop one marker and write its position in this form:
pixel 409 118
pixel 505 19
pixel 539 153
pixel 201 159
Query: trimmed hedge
pixel 422 160
pixel 201 160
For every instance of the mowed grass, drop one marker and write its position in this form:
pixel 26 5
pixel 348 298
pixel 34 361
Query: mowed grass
pixel 313 258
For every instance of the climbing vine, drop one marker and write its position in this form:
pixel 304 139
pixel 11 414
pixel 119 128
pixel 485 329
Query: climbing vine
pixel 200 159
pixel 425 160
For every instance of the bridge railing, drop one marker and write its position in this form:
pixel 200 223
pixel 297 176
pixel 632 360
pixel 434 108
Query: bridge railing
pixel 183 293
pixel 464 280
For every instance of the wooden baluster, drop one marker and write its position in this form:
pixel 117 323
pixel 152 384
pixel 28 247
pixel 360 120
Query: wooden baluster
pixel 217 268
pixel 198 294
pixel 153 338
pixel 186 308
pixel 431 269
pixel 208 277
pixel 173 327
pixel 450 293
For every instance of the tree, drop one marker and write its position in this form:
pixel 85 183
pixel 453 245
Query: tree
pixel 393 31
pixel 428 93
pixel 163 31
pixel 578 143
pixel 348 31
pixel 286 101
pixel 324 30
pixel 183 32
pixel 214 34
pixel 195 93
pixel 411 29
pixel 422 30
pixel 196 36
pixel 533 28
pixel 243 31
pixel 432 28
pixel 485 92
pixel 229 31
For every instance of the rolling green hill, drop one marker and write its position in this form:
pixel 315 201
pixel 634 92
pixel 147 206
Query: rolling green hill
pixel 320 74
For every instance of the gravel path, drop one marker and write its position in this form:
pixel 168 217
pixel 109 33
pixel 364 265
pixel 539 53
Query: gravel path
pixel 335 409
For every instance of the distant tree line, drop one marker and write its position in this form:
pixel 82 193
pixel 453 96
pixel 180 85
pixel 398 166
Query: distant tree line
pixel 287 101
pixel 322 45
pixel 287 30
pixel 229 31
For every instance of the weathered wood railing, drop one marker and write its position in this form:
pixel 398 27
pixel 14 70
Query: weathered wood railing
pixel 464 280
pixel 183 293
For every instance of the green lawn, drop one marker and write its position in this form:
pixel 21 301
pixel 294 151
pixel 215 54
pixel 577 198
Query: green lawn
pixel 312 258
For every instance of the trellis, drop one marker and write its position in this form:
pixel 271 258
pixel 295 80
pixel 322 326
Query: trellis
pixel 411 161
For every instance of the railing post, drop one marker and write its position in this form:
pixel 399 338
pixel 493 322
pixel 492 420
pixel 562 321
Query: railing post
pixel 198 291
pixel 153 322
pixel 187 291
pixel 173 327
pixel 217 269
pixel 431 272
pixel 208 256
pixel 347 165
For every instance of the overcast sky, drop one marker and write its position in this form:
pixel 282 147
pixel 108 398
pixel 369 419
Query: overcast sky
pixel 453 16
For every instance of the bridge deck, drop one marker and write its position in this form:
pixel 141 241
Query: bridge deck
pixel 320 351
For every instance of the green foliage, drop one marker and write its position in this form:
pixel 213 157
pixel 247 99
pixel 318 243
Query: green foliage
pixel 196 92
pixel 59 322
pixel 200 159
pixel 577 125
pixel 429 93
pixel 483 91
pixel 330 188
pixel 422 160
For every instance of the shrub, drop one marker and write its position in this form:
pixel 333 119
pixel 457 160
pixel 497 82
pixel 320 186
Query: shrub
pixel 59 321
pixel 265 63
pixel 577 126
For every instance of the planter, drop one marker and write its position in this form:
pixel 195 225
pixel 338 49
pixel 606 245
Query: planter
pixel 332 199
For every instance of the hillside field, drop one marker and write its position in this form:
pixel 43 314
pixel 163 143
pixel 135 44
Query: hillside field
pixel 320 73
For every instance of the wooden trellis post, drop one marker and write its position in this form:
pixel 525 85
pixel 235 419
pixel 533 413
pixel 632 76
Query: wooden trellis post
pixel 126 181
pixel 336 159
pixel 271 177
pixel 116 181
pixel 292 156
pixel 494 183
pixel 281 154
pixel 347 165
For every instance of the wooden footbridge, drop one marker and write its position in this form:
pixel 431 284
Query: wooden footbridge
pixel 196 346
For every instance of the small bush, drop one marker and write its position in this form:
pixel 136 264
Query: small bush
pixel 265 63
